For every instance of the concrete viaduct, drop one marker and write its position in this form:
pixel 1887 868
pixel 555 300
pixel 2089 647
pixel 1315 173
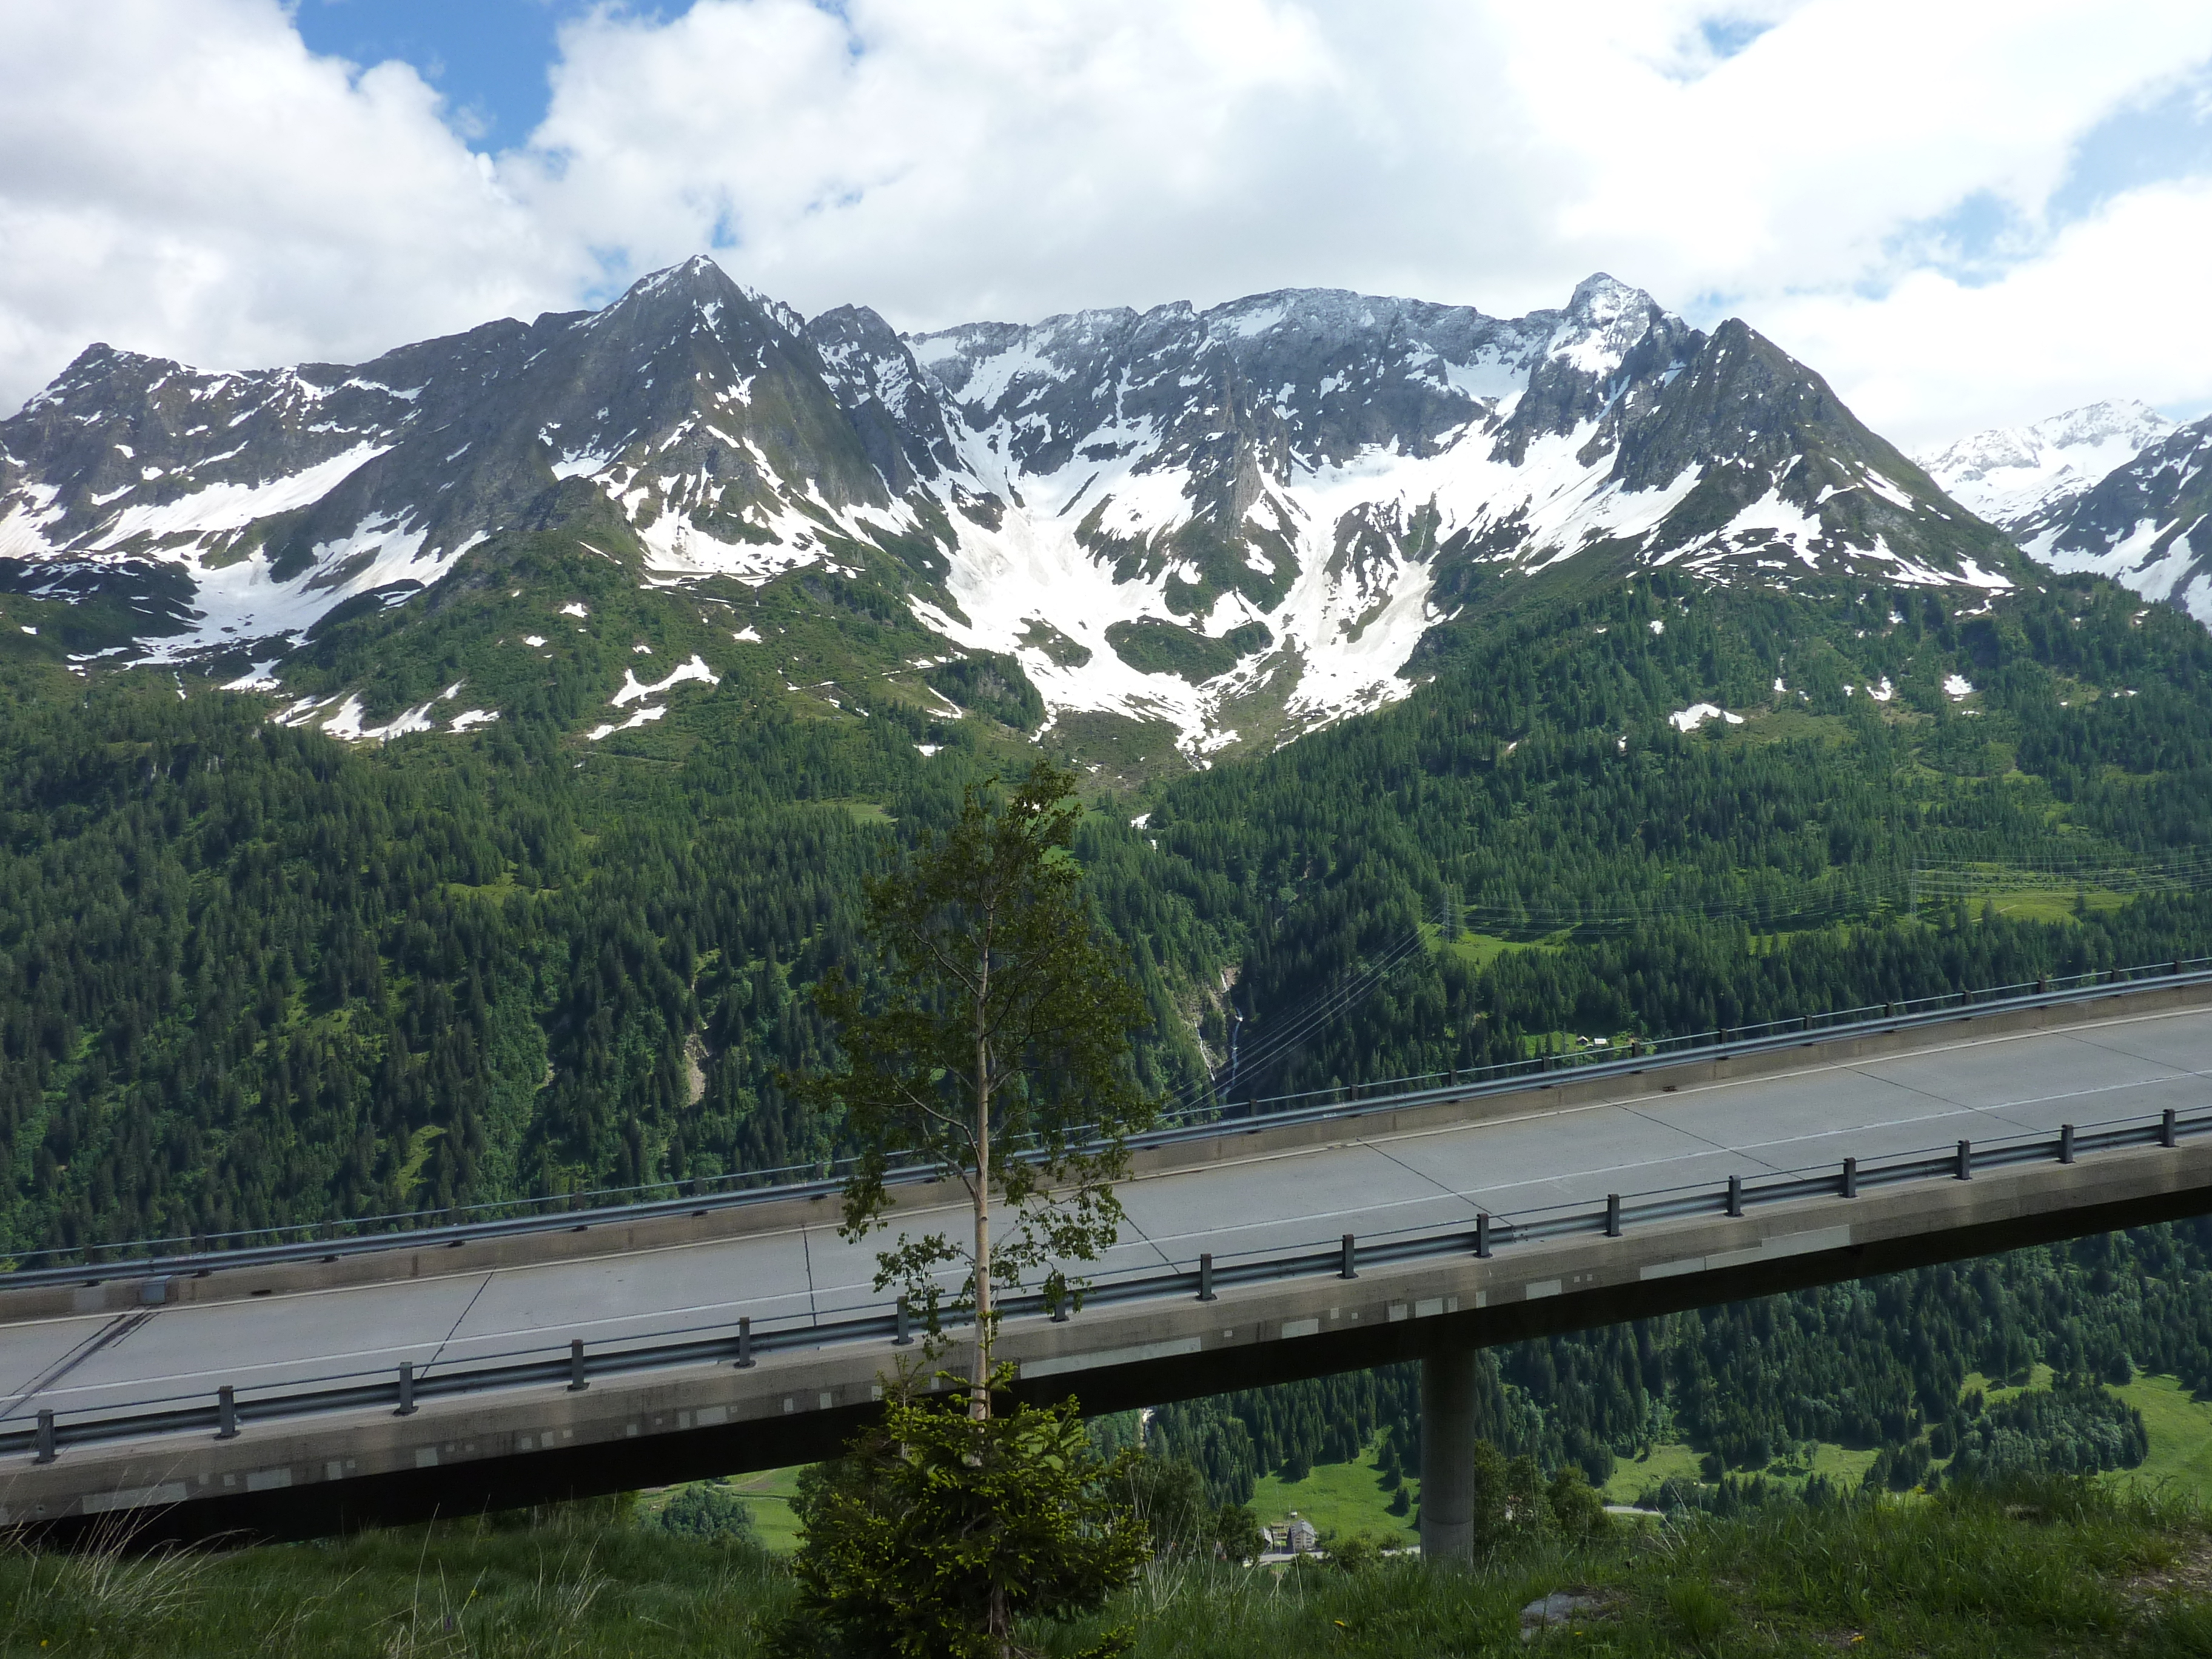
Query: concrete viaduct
pixel 449 1371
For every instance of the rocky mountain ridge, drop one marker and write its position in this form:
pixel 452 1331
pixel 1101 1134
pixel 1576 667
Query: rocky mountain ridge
pixel 2008 475
pixel 1234 524
pixel 2143 524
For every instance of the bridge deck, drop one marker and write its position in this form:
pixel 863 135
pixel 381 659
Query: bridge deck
pixel 1528 1154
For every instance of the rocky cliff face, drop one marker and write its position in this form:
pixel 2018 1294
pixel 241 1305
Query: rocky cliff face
pixel 1238 522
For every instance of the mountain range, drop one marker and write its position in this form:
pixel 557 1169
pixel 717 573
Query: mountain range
pixel 1684 704
pixel 2114 489
pixel 1178 530
pixel 585 670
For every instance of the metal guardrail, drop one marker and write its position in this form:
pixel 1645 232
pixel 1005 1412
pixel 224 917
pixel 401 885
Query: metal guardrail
pixel 581 1212
pixel 1750 1037
pixel 400 1388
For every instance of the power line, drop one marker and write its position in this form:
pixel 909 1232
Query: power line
pixel 2179 870
pixel 1319 1009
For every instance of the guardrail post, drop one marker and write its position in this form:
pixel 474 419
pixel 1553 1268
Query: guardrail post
pixel 1613 1215
pixel 905 1337
pixel 46 1437
pixel 1060 1312
pixel 1206 1276
pixel 2065 1143
pixel 1482 1238
pixel 1735 1195
pixel 1347 1271
pixel 2168 1132
pixel 406 1388
pixel 577 1381
pixel 1965 1160
pixel 226 1414
pixel 745 1344
pixel 1850 1177
pixel 2043 985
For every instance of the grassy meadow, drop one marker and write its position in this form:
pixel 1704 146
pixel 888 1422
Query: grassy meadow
pixel 2060 1568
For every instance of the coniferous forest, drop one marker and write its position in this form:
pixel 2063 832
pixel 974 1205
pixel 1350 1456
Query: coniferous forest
pixel 252 977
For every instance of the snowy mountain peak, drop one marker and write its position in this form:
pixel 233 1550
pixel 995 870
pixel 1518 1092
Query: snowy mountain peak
pixel 2012 475
pixel 1599 301
pixel 1236 523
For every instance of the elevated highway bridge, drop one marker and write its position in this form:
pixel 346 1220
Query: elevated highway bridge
pixel 444 1371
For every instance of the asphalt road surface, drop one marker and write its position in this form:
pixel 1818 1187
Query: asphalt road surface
pixel 1984 1088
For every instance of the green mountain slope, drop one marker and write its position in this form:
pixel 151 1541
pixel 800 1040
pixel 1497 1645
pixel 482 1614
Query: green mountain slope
pixel 250 975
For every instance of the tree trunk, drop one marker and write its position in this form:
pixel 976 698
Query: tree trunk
pixel 979 1388
pixel 1001 1622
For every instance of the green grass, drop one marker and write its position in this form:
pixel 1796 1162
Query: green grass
pixel 766 1493
pixel 1341 1498
pixel 1790 723
pixel 1481 950
pixel 2051 904
pixel 419 1145
pixel 580 1586
pixel 769 1495
pixel 2074 1568
pixel 1632 1475
pixel 2038 1376
pixel 2060 1569
pixel 2180 1437
pixel 1841 1464
pixel 1114 751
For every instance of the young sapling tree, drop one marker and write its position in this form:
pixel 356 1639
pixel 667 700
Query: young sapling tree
pixel 991 1048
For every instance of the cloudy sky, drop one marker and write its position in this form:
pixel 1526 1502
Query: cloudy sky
pixel 1964 215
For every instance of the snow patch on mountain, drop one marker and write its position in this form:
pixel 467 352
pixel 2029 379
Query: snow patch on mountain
pixel 1689 720
pixel 232 506
pixel 633 689
pixel 346 724
pixel 1345 627
pixel 2145 558
pixel 598 733
pixel 1268 497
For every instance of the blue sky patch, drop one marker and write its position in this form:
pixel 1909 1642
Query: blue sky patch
pixel 489 57
pixel 1725 36
pixel 2167 138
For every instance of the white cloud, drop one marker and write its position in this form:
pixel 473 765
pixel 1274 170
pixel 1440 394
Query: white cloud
pixel 2111 309
pixel 198 184
pixel 184 177
pixel 945 161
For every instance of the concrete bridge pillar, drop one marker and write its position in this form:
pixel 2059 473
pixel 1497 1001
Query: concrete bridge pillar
pixel 1447 1456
